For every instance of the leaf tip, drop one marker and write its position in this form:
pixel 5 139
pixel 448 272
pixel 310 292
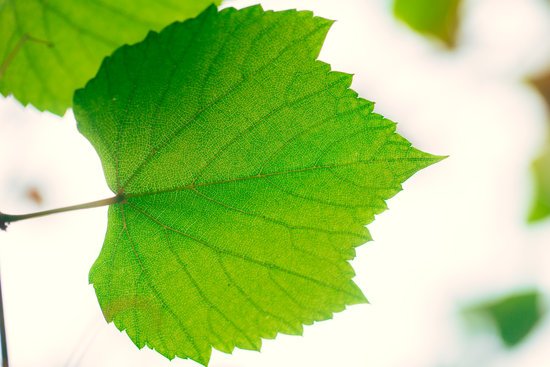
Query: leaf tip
pixel 360 297
pixel 439 158
pixel 211 9
pixel 428 160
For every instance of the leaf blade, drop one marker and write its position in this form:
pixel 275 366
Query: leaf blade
pixel 218 156
pixel 49 49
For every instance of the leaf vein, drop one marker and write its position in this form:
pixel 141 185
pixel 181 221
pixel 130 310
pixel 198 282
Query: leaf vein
pixel 199 290
pixel 267 265
pixel 155 291
pixel 231 90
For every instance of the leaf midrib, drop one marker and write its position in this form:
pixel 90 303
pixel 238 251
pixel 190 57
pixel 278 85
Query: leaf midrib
pixel 194 186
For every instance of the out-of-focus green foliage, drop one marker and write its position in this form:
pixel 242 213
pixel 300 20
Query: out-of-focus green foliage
pixel 514 316
pixel 541 166
pixel 437 18
pixel 541 172
pixel 48 49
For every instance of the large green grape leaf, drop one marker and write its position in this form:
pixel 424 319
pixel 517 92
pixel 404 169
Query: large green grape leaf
pixel 541 166
pixel 436 18
pixel 48 49
pixel 246 171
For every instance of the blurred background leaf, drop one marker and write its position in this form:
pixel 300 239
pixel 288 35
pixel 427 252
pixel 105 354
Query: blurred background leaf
pixel 436 18
pixel 514 316
pixel 541 166
pixel 48 49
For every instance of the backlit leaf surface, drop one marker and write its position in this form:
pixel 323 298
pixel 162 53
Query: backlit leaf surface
pixel 249 170
pixel 50 48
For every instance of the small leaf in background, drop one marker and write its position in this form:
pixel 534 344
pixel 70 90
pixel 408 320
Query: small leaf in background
pixel 541 166
pixel 514 316
pixel 541 175
pixel 437 18
pixel 248 170
pixel 48 49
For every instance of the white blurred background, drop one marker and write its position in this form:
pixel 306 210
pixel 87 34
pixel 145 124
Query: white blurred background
pixel 455 235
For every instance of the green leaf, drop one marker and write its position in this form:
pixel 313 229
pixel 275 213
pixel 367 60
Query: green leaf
pixel 48 49
pixel 437 18
pixel 248 170
pixel 541 166
pixel 514 315
pixel 541 173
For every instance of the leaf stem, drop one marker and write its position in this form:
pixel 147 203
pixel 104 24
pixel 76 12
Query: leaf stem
pixel 6 219
pixel 3 342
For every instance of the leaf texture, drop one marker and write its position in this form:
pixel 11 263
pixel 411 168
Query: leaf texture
pixel 248 170
pixel 48 49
